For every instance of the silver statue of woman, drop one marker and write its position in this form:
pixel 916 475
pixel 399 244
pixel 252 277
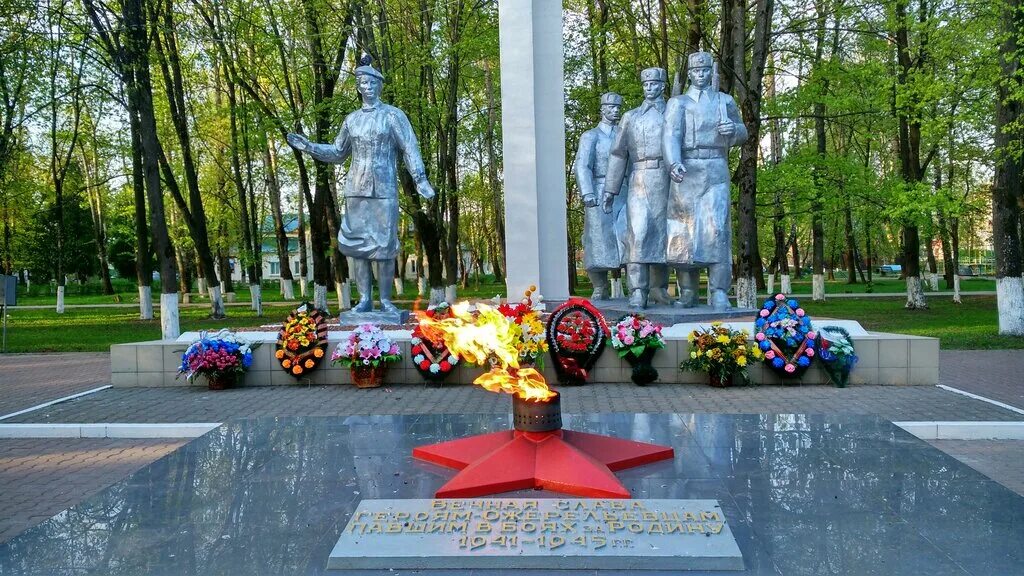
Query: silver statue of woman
pixel 700 127
pixel 373 137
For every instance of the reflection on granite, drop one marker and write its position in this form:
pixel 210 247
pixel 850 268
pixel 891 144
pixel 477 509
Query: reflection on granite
pixel 804 494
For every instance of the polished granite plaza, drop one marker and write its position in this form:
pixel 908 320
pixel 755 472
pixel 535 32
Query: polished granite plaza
pixel 803 494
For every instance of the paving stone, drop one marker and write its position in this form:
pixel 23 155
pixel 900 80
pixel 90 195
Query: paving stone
pixel 28 380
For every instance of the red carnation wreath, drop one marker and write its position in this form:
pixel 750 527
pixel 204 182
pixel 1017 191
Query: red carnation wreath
pixel 431 358
pixel 576 334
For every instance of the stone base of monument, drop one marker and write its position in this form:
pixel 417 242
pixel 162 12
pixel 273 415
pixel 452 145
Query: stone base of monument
pixel 669 315
pixel 542 533
pixel 351 317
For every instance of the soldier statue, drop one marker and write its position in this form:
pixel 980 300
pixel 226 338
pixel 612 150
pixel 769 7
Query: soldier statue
pixel 700 127
pixel 603 233
pixel 373 136
pixel 637 148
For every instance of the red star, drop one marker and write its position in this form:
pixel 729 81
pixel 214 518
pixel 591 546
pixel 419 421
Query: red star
pixel 575 463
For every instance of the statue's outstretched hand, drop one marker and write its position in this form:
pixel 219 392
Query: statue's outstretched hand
pixel 590 200
pixel 607 202
pixel 298 141
pixel 677 172
pixel 425 189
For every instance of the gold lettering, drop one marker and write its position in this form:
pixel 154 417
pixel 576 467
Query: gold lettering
pixel 435 527
pixel 629 516
pixel 376 528
pixel 568 526
pixel 672 527
pixel 548 527
pixel 715 527
pixel 530 505
pixel 394 528
pixel 511 516
pixel 401 515
pixel 416 528
pixel 529 527
pixel 692 527
pixel 569 516
pixel 615 526
pixel 483 527
pixel 649 516
pixel 491 515
pixel 655 528
pixel 562 505
pixel 508 526
pixel 710 516
pixel 531 516
pixel 635 527
pixel 690 517
pixel 421 516
pixel 616 505
pixel 437 504
pixel 457 527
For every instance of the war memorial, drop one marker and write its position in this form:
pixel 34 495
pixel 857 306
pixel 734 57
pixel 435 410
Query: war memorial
pixel 536 490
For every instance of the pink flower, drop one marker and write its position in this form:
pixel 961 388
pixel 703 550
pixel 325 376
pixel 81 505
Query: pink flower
pixel 628 340
pixel 790 368
pixel 764 313
pixel 769 354
pixel 780 296
pixel 810 352
pixel 759 336
pixel 800 312
pixel 812 335
pixel 394 349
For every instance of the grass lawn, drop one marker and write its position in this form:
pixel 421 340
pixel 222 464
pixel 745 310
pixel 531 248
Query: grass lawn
pixel 971 325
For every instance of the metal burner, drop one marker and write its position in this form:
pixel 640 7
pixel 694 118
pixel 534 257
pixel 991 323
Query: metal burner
pixel 534 416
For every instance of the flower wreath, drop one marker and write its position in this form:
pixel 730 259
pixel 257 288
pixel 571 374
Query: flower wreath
pixel 431 358
pixel 785 335
pixel 576 335
pixel 302 341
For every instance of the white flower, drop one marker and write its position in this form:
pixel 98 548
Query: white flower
pixel 435 368
pixel 453 360
pixel 419 358
pixel 415 340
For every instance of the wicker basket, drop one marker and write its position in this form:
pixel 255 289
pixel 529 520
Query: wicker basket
pixel 368 376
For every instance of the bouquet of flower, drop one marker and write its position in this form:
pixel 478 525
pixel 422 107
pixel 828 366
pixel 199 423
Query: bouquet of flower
pixel 220 357
pixel 721 352
pixel 367 345
pixel 430 355
pixel 837 354
pixel 530 341
pixel 302 341
pixel 785 336
pixel 636 339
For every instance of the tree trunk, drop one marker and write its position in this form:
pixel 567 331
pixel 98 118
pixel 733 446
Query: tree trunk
pixel 1007 194
pixel 274 190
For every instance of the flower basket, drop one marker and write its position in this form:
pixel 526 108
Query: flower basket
pixel 367 347
pixel 222 381
pixel 430 356
pixel 302 341
pixel 221 358
pixel 721 352
pixel 576 335
pixel 369 376
pixel 636 339
pixel 785 337
pixel 643 373
pixel 837 355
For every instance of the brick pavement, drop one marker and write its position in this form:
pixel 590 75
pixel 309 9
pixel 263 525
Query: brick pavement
pixel 41 477
pixel 27 380
pixel 995 374
pixel 1000 460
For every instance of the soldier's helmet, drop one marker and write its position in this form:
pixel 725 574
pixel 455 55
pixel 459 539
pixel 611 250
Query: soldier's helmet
pixel 611 98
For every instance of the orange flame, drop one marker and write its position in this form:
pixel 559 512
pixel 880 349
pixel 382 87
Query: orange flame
pixel 487 337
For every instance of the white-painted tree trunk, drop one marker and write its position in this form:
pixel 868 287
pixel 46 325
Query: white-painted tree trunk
pixel 771 284
pixel 343 292
pixel 202 285
pixel 287 289
pixel 933 279
pixel 956 289
pixel 60 299
pixel 617 288
pixel 915 293
pixel 170 327
pixel 787 284
pixel 303 287
pixel 320 297
pixel 216 303
pixel 818 287
pixel 437 296
pixel 399 286
pixel 1010 303
pixel 421 287
pixel 256 298
pixel 145 302
pixel 746 292
pixel 451 293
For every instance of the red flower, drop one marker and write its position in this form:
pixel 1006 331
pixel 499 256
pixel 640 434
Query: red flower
pixel 445 366
pixel 425 365
pixel 416 349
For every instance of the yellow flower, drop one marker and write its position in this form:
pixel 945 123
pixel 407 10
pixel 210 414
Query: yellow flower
pixel 693 354
pixel 742 360
pixel 691 337
pixel 723 339
pixel 716 323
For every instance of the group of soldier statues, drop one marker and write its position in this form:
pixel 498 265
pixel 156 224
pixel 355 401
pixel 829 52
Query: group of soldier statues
pixel 655 189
